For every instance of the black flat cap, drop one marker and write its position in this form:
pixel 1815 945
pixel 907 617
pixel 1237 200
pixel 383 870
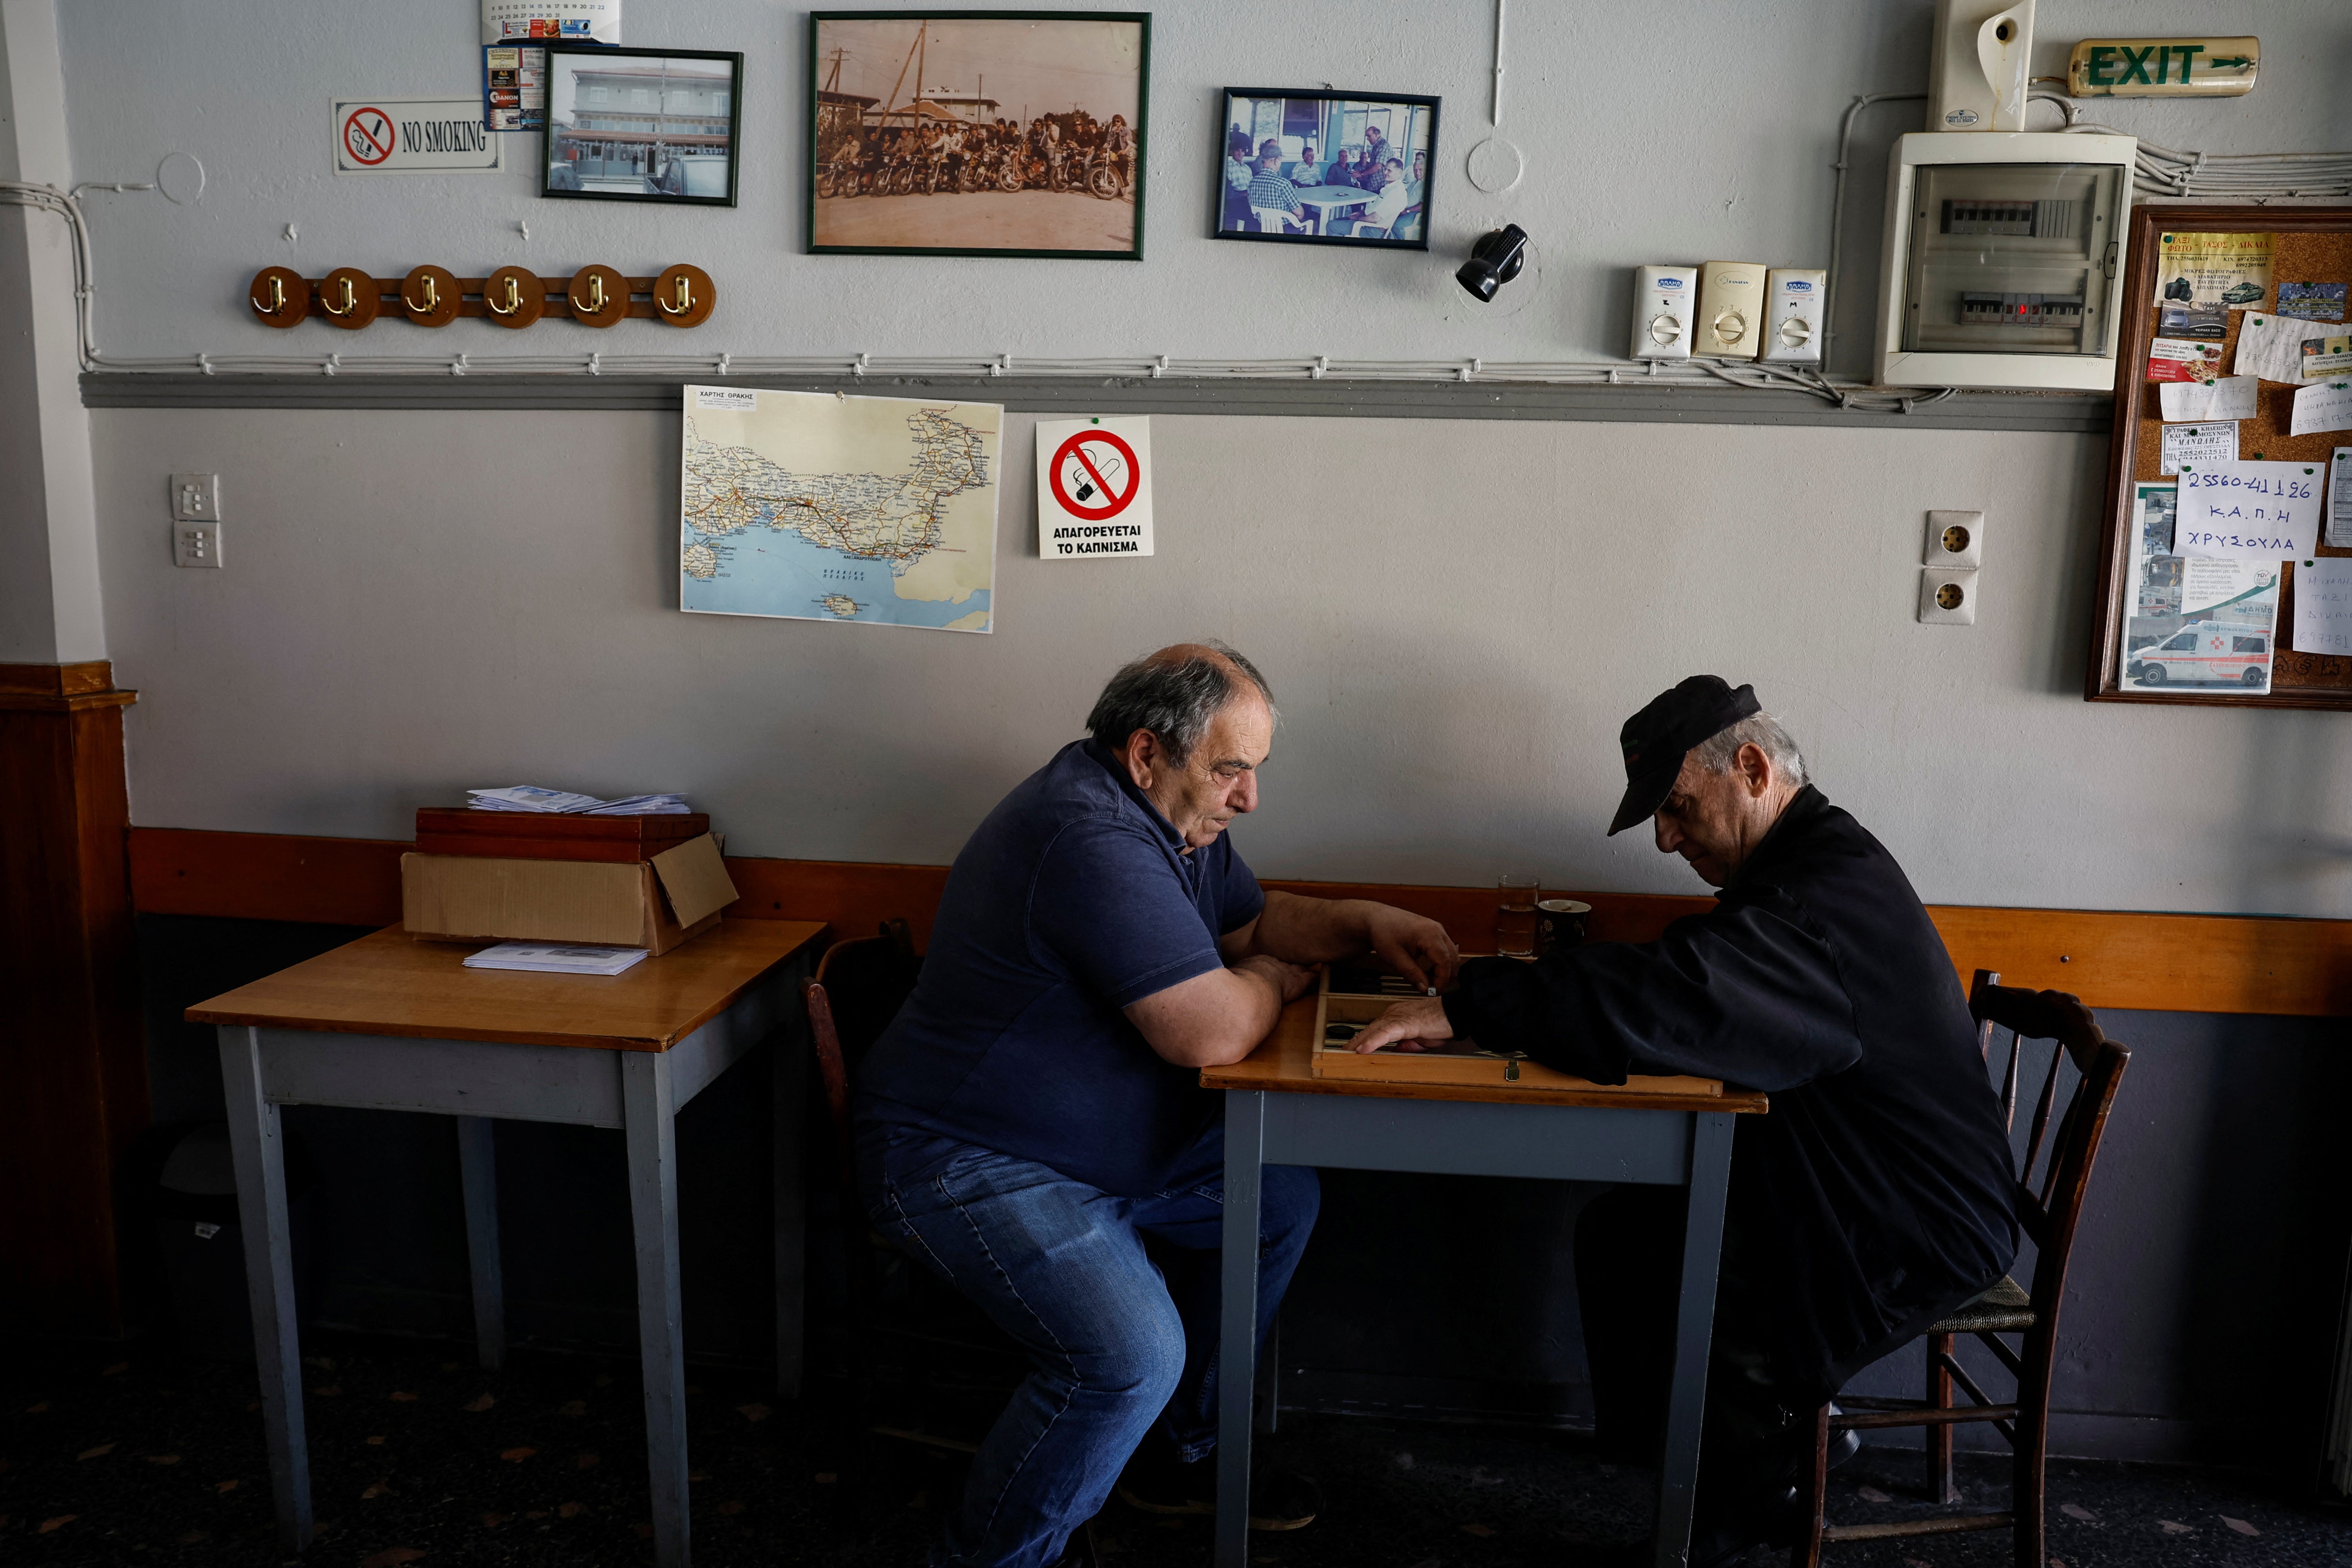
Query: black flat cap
pixel 1656 738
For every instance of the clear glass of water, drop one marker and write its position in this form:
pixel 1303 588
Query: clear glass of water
pixel 1515 915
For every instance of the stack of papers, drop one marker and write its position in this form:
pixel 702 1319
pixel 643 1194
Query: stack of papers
pixel 531 797
pixel 556 958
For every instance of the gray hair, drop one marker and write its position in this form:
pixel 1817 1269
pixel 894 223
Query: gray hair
pixel 1175 693
pixel 1759 730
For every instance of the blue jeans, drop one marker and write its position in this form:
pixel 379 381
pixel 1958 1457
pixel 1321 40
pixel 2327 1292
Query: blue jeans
pixel 1115 1299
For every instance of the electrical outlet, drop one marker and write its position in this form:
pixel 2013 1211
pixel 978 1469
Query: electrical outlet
pixel 195 543
pixel 1955 539
pixel 195 498
pixel 1947 597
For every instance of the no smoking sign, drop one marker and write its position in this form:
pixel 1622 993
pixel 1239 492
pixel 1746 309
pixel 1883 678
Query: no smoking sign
pixel 1094 488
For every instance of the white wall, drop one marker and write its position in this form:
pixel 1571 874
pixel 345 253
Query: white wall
pixel 1703 130
pixel 1456 614
pixel 1454 628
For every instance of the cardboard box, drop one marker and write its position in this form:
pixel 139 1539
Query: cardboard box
pixel 534 836
pixel 654 904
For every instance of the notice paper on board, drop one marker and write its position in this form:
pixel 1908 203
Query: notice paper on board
pixel 2231 397
pixel 2327 407
pixel 2271 347
pixel 2312 301
pixel 2339 510
pixel 2323 604
pixel 2213 442
pixel 2183 359
pixel 2249 512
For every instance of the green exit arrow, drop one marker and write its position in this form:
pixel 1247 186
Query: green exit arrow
pixel 2238 60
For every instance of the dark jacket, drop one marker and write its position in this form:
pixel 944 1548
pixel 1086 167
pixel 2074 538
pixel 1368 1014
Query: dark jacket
pixel 1876 1194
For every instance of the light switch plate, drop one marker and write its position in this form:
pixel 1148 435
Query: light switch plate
pixel 195 498
pixel 1948 596
pixel 1955 539
pixel 197 545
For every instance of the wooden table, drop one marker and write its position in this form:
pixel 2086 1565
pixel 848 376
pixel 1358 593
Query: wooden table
pixel 1277 1112
pixel 394 1024
pixel 1323 198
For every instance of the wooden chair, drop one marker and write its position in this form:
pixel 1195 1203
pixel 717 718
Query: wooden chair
pixel 2050 1216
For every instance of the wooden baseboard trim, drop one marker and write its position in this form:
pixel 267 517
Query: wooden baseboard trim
pixel 2158 962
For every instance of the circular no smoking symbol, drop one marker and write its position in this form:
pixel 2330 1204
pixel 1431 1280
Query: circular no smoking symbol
pixel 1096 486
pixel 367 136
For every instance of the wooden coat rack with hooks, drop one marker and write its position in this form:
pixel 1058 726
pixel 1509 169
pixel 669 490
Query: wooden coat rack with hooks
pixel 595 296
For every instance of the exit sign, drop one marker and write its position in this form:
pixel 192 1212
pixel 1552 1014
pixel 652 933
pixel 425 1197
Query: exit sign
pixel 2163 68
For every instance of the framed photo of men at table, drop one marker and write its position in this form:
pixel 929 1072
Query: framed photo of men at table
pixel 1326 168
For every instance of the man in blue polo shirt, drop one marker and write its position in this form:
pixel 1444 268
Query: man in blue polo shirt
pixel 1032 1124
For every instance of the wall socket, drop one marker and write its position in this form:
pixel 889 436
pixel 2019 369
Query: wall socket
pixel 1955 539
pixel 1948 596
pixel 195 498
pixel 195 543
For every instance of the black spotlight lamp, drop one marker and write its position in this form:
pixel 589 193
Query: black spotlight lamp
pixel 1494 261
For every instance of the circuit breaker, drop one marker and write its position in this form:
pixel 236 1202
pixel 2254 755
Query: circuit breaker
pixel 1793 313
pixel 1665 305
pixel 1730 310
pixel 2002 254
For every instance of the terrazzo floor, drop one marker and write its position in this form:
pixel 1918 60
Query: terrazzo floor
pixel 142 1458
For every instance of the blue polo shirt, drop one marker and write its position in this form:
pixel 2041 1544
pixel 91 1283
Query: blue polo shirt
pixel 1073 899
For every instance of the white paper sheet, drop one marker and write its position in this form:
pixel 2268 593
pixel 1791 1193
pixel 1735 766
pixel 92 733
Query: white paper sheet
pixel 2339 512
pixel 2323 604
pixel 580 21
pixel 2211 442
pixel 2231 397
pixel 2327 407
pixel 2271 347
pixel 2249 512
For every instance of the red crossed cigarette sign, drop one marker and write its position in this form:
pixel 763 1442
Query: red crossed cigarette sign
pixel 367 135
pixel 1100 496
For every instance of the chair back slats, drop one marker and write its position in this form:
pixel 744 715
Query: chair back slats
pixel 2049 1210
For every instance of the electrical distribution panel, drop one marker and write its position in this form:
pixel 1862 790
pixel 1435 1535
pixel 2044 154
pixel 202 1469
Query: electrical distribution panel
pixel 1792 314
pixel 1730 310
pixel 1665 304
pixel 2003 254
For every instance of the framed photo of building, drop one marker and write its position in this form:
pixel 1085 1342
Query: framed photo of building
pixel 642 125
pixel 977 134
pixel 1314 167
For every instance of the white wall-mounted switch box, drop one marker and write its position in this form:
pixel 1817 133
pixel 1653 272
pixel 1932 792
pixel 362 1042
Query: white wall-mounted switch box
pixel 1948 596
pixel 195 543
pixel 1978 67
pixel 1665 310
pixel 1730 310
pixel 1955 539
pixel 1793 313
pixel 195 498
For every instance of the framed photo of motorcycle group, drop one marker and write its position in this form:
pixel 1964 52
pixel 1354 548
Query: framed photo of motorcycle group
pixel 977 134
pixel 1326 168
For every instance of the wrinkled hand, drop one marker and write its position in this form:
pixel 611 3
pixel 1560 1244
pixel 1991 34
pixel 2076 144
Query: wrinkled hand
pixel 1414 946
pixel 1405 1025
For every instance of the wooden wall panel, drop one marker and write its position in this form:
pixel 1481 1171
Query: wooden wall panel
pixel 73 1053
pixel 2166 962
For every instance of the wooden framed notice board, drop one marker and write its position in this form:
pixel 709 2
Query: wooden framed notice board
pixel 2149 596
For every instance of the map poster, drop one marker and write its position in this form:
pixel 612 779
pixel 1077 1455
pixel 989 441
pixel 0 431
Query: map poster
pixel 812 505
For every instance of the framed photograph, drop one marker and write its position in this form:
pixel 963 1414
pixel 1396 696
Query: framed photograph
pixel 977 134
pixel 1326 168
pixel 642 125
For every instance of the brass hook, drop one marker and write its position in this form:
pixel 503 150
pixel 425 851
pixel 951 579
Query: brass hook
pixel 432 298
pixel 595 305
pixel 514 299
pixel 350 300
pixel 684 298
pixel 276 298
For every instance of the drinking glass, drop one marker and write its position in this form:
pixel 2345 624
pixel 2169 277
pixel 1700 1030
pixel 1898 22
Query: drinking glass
pixel 1515 915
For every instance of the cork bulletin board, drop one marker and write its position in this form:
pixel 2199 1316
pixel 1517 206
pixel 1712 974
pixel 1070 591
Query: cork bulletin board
pixel 2308 244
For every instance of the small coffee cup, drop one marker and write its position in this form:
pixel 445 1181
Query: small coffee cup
pixel 1559 922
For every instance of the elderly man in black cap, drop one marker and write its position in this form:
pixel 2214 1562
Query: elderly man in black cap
pixel 1875 1196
